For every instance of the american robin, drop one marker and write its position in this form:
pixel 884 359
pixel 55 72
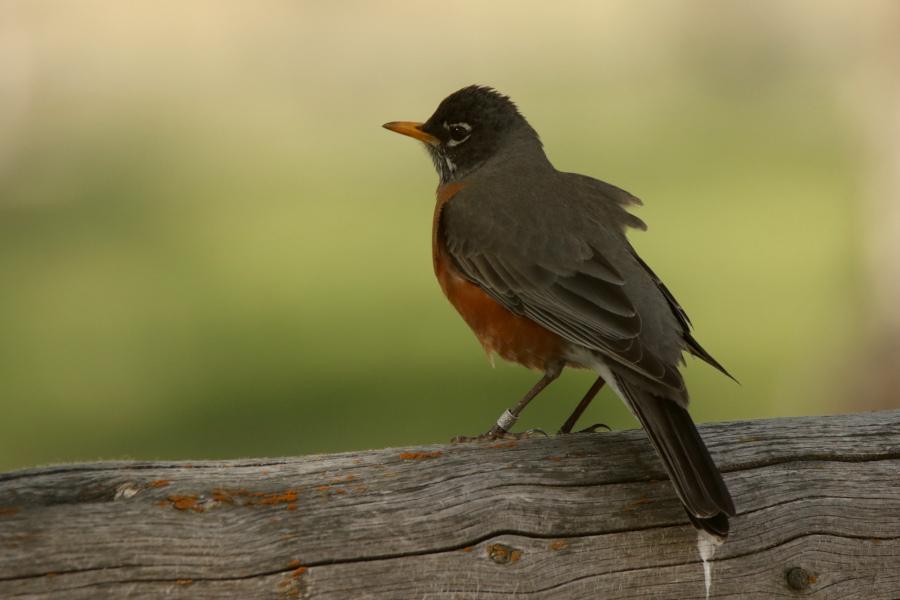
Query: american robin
pixel 538 264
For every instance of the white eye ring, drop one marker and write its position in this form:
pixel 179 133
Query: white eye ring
pixel 455 142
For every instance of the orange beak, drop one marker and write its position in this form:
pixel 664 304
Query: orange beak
pixel 413 130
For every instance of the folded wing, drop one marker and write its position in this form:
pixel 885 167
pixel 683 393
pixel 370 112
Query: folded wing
pixel 584 302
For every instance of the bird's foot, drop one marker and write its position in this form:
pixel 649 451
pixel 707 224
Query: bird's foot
pixel 496 433
pixel 591 429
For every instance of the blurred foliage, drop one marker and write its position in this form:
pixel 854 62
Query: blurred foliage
pixel 209 248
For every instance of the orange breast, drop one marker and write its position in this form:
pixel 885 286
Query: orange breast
pixel 514 338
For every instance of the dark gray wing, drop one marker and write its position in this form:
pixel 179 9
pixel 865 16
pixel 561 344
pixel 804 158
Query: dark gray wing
pixel 551 246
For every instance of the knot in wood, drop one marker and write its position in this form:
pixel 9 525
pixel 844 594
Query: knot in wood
pixel 503 554
pixel 799 579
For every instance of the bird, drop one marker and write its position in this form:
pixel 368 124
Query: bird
pixel 538 264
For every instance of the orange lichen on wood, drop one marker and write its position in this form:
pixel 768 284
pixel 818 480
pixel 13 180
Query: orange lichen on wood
pixel 270 499
pixel 184 581
pixel 515 555
pixel 182 502
pixel 159 483
pixel 558 545
pixel 556 458
pixel 415 455
pixel 299 571
pixel 361 488
pixel 293 564
pixel 350 476
pixel 291 507
pixel 6 512
pixel 323 488
pixel 276 498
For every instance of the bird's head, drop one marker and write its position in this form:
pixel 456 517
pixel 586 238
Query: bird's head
pixel 468 127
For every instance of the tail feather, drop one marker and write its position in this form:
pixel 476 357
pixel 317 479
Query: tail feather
pixel 685 457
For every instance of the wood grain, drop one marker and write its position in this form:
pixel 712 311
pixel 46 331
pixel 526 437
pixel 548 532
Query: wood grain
pixel 577 516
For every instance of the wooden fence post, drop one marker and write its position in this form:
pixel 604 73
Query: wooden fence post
pixel 577 516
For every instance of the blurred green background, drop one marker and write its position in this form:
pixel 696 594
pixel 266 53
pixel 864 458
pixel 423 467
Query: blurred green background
pixel 209 248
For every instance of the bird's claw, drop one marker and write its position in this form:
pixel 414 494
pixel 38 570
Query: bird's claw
pixel 591 429
pixel 527 434
pixel 595 427
pixel 498 434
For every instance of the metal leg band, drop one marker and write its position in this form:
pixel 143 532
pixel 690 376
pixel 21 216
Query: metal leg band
pixel 506 420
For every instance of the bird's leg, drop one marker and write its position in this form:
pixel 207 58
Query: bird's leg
pixel 570 422
pixel 509 417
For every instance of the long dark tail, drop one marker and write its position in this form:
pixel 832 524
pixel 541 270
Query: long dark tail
pixel 687 461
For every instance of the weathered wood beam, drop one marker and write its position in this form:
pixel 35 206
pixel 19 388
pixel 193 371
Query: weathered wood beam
pixel 578 516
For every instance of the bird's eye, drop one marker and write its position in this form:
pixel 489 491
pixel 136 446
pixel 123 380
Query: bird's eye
pixel 459 132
